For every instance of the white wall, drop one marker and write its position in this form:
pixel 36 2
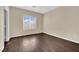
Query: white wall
pixel 16 22
pixel 1 29
pixel 63 22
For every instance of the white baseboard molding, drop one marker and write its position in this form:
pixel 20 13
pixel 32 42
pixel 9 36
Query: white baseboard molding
pixel 2 49
pixel 22 35
pixel 7 39
pixel 62 37
pixel 26 34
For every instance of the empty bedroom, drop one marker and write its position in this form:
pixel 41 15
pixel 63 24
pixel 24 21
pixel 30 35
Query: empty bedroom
pixel 39 29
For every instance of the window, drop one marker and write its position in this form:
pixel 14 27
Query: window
pixel 29 22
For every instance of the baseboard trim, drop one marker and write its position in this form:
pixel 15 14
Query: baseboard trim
pixel 48 34
pixel 2 49
pixel 4 45
pixel 26 35
pixel 62 38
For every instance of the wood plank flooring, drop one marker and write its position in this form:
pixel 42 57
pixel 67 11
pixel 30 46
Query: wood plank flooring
pixel 40 43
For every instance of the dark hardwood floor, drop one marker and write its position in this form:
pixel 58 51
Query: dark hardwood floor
pixel 40 43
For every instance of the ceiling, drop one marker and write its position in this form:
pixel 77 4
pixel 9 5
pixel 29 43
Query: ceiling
pixel 39 9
